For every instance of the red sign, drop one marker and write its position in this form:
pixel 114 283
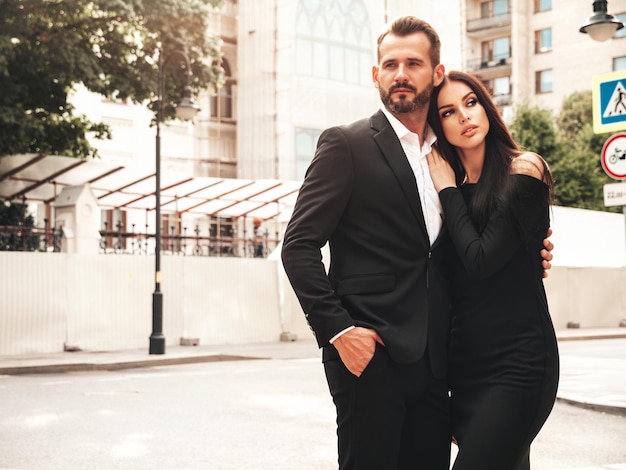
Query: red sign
pixel 614 156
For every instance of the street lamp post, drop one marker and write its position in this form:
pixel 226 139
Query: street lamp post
pixel 186 109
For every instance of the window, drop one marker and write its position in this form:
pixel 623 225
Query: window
pixel 221 102
pixel 500 7
pixel 543 81
pixel 333 40
pixel 620 33
pixel 500 89
pixel 543 40
pixel 497 50
pixel 619 63
pixel 501 48
pixel 114 224
pixel 306 143
pixel 494 8
pixel 543 5
pixel 501 86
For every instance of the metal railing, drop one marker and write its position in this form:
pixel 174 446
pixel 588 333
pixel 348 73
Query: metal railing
pixel 119 241
pixel 473 65
pixel 30 238
pixel 197 244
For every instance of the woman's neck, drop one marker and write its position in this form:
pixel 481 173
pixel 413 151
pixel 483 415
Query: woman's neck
pixel 472 161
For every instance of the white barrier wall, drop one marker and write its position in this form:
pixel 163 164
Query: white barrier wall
pixel 33 303
pixel 104 302
pixel 592 297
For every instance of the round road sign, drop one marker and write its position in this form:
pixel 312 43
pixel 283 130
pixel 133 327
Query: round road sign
pixel 614 156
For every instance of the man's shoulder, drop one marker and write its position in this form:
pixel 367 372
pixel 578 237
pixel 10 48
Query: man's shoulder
pixel 374 122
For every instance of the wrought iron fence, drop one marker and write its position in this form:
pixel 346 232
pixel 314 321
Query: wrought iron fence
pixel 30 238
pixel 183 243
pixel 136 242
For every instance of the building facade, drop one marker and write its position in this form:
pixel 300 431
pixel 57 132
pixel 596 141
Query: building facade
pixel 295 67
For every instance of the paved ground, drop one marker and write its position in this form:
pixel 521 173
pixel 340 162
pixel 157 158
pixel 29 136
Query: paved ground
pixel 593 362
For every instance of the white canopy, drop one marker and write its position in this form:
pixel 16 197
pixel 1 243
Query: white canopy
pixel 40 178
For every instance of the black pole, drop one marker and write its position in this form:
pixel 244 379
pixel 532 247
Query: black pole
pixel 157 339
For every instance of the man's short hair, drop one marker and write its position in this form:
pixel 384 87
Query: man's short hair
pixel 406 25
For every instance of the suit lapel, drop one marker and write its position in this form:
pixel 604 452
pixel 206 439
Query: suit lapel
pixel 390 147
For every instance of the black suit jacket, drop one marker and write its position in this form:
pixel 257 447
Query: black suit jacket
pixel 360 194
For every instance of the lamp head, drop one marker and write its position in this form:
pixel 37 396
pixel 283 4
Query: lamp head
pixel 600 25
pixel 187 108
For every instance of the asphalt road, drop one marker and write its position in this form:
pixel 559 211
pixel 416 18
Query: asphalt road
pixel 252 414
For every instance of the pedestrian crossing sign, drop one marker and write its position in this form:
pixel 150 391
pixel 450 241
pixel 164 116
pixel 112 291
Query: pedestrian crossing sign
pixel 609 102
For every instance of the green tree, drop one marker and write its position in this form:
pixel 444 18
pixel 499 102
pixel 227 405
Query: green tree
pixel 570 147
pixel 112 47
pixel 20 238
pixel 578 171
pixel 576 111
pixel 533 130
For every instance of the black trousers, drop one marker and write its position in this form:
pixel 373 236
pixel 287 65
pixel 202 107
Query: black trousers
pixel 395 416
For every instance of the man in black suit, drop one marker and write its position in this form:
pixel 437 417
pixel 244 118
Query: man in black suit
pixel 383 305
pixel 381 315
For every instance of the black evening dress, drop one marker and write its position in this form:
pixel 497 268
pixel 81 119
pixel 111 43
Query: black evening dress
pixel 504 364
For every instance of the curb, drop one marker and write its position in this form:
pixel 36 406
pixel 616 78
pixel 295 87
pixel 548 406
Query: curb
pixel 590 336
pixel 602 408
pixel 119 365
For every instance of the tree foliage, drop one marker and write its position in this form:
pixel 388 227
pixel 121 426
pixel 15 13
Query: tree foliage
pixel 15 215
pixel 112 47
pixel 570 147
pixel 578 170
pixel 533 130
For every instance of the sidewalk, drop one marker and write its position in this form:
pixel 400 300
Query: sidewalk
pixel 593 369
pixel 593 362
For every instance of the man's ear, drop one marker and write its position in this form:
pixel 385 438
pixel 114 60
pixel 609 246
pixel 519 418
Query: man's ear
pixel 375 75
pixel 438 74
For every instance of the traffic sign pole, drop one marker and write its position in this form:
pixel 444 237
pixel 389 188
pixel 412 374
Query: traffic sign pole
pixel 613 159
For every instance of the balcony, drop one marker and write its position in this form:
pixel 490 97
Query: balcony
pixel 502 100
pixel 489 69
pixel 492 25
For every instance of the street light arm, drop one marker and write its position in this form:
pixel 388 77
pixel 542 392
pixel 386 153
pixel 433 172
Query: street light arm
pixel 188 107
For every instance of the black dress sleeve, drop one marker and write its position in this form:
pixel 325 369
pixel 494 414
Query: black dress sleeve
pixel 519 220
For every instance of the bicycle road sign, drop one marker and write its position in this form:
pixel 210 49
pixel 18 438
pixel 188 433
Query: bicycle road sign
pixel 614 156
pixel 609 102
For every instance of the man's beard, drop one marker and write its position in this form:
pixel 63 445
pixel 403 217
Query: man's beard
pixel 403 105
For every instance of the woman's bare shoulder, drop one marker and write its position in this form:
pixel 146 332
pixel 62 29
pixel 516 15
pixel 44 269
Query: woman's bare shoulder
pixel 529 163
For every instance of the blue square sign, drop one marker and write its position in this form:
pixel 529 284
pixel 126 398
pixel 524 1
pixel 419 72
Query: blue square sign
pixel 609 102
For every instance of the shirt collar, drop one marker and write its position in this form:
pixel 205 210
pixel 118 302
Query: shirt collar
pixel 401 130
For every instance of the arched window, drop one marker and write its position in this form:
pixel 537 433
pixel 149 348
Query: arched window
pixel 334 41
pixel 222 99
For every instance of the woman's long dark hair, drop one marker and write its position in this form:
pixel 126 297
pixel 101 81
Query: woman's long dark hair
pixel 500 149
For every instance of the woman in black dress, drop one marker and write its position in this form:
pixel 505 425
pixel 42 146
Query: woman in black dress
pixel 504 364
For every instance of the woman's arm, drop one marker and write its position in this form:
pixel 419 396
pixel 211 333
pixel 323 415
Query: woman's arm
pixel 485 253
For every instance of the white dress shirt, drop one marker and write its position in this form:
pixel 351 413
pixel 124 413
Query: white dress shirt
pixel 429 198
